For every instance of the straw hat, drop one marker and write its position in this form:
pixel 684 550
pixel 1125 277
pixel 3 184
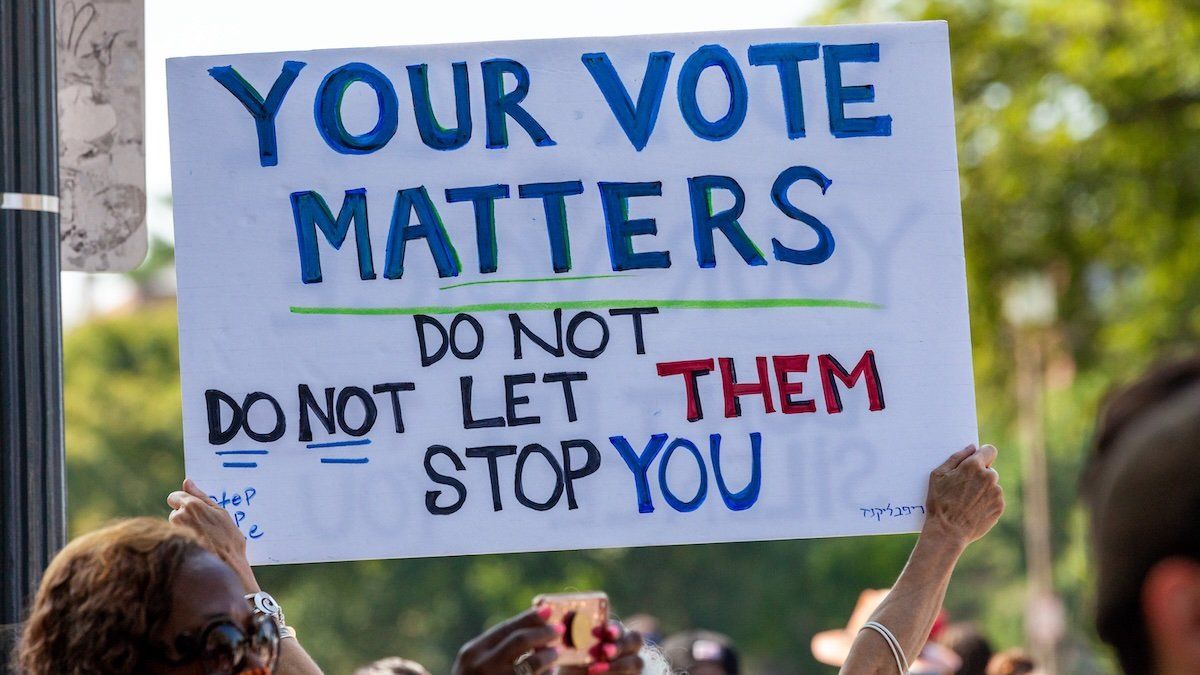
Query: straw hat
pixel 831 647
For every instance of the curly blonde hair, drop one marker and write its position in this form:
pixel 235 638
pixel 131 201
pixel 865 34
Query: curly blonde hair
pixel 103 596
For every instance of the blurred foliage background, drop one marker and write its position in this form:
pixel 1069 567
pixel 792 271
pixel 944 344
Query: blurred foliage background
pixel 1077 127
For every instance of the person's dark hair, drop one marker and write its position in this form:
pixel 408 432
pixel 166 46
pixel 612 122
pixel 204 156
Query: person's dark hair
pixel 1125 405
pixel 103 596
pixel 971 646
pixel 1142 487
pixel 1011 662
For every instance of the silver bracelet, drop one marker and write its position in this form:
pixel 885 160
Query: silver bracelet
pixel 897 652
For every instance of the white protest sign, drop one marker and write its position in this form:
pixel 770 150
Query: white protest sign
pixel 576 293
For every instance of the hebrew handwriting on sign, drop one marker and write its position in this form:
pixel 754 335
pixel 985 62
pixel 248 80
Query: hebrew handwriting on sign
pixel 879 512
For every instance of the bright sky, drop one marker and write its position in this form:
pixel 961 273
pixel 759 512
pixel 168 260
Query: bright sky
pixel 175 28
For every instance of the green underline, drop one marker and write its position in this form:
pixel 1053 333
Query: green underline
pixel 533 280
pixel 762 303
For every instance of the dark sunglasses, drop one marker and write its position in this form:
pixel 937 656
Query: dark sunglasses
pixel 222 647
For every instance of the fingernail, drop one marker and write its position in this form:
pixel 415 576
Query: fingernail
pixel 614 632
pixel 610 651
pixel 597 668
pixel 544 612
pixel 559 628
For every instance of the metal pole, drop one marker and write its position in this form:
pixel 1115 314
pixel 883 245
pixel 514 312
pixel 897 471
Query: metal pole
pixel 1039 559
pixel 32 499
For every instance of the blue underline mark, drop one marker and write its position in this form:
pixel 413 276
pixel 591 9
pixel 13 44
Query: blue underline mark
pixel 338 444
pixel 240 465
pixel 241 452
pixel 343 460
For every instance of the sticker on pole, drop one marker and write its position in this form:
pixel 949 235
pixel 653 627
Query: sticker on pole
pixel 101 134
pixel 577 293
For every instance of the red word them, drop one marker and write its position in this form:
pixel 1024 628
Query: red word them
pixel 830 370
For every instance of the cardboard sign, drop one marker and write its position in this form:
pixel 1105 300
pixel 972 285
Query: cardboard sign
pixel 577 293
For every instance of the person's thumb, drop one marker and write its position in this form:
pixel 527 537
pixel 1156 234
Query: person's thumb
pixel 957 458
pixel 190 487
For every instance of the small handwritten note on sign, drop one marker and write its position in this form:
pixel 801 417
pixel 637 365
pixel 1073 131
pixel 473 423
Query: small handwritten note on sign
pixel 574 293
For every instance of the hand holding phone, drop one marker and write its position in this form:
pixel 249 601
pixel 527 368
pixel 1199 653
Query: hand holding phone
pixel 582 617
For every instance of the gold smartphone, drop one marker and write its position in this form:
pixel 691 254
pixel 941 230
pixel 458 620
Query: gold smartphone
pixel 579 614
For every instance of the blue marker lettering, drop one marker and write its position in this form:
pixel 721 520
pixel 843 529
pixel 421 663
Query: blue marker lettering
pixel 639 464
pixel 311 213
pixel 821 251
pixel 553 196
pixel 837 95
pixel 747 496
pixel 432 133
pixel 327 109
pixel 483 199
pixel 689 79
pixel 701 490
pixel 636 121
pixel 429 227
pixel 786 57
pixel 498 104
pixel 704 221
pixel 263 110
pixel 620 229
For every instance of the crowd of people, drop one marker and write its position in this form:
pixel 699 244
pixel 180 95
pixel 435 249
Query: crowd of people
pixel 146 595
pixel 950 649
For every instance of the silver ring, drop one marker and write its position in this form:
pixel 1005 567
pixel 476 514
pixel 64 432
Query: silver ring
pixel 521 666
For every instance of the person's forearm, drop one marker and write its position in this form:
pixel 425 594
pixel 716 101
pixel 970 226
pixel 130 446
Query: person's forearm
pixel 293 660
pixel 914 602
pixel 245 573
pixel 910 608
